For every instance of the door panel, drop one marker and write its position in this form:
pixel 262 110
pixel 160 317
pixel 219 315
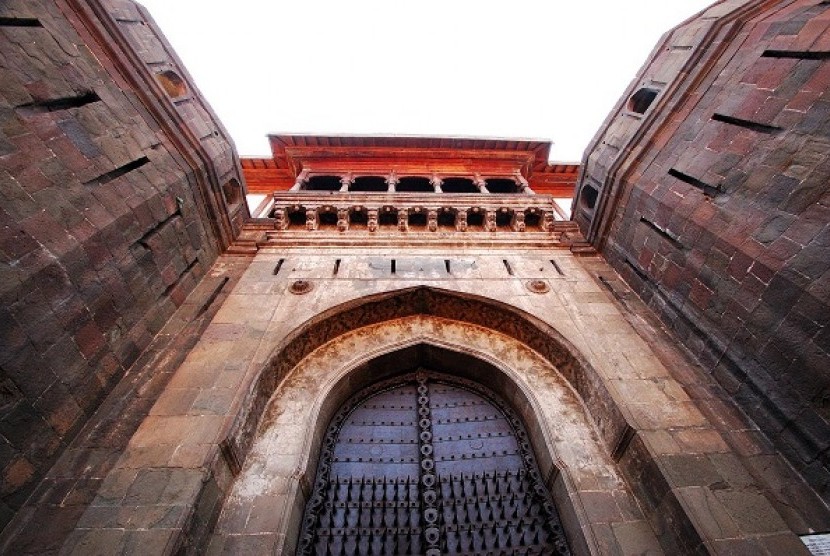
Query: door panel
pixel 428 464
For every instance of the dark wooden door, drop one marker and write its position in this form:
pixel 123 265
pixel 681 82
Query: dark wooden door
pixel 428 464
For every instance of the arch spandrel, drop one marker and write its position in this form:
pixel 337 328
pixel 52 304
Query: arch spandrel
pixel 282 460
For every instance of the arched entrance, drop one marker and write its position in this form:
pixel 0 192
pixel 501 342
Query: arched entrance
pixel 428 464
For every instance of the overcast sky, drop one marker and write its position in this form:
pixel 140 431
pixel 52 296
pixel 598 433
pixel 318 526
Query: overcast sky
pixel 545 69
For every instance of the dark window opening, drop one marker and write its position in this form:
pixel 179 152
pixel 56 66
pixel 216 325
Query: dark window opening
pixel 588 197
pixel 415 185
pixel 327 218
pixel 232 192
pixel 459 185
pixel 418 218
pixel 641 100
pixel 296 218
pixel 532 220
pixel 359 218
pixel 499 185
pixel 336 267
pixel 447 266
pixel 372 184
pixel 388 218
pixel 475 219
pixel 392 266
pixel 503 218
pixel 446 218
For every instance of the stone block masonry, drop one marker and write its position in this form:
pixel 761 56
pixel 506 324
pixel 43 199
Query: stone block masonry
pixel 111 175
pixel 713 203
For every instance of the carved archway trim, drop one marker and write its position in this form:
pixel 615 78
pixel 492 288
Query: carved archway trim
pixel 472 309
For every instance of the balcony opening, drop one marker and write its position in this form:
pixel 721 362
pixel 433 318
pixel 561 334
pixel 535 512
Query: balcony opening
pixel 532 220
pixel 369 184
pixel 500 185
pixel 322 183
pixel 588 197
pixel 415 185
pixel 296 218
pixel 459 185
pixel 641 100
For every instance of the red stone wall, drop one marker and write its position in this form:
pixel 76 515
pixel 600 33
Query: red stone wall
pixel 714 204
pixel 119 188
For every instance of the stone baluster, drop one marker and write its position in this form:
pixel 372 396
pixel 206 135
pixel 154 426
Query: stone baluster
pixel 311 219
pixel 342 219
pixel 403 219
pixel 345 182
pixel 432 220
pixel 461 220
pixel 372 219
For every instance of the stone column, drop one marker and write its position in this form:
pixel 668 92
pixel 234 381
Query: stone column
pixel 345 182
pixel 436 183
pixel 302 178
pixel 524 186
pixel 392 180
pixel 481 183
pixel 372 219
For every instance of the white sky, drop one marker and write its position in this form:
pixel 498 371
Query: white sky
pixel 513 68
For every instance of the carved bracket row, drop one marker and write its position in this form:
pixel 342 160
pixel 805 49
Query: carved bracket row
pixel 487 219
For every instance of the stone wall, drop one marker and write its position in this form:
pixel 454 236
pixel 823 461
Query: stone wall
pixel 119 188
pixel 707 190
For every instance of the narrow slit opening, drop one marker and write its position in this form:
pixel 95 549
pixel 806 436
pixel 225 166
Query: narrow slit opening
pixel 557 267
pixel 447 266
pixel 708 190
pixel 278 267
pixel 507 267
pixel 336 267
pixel 747 124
